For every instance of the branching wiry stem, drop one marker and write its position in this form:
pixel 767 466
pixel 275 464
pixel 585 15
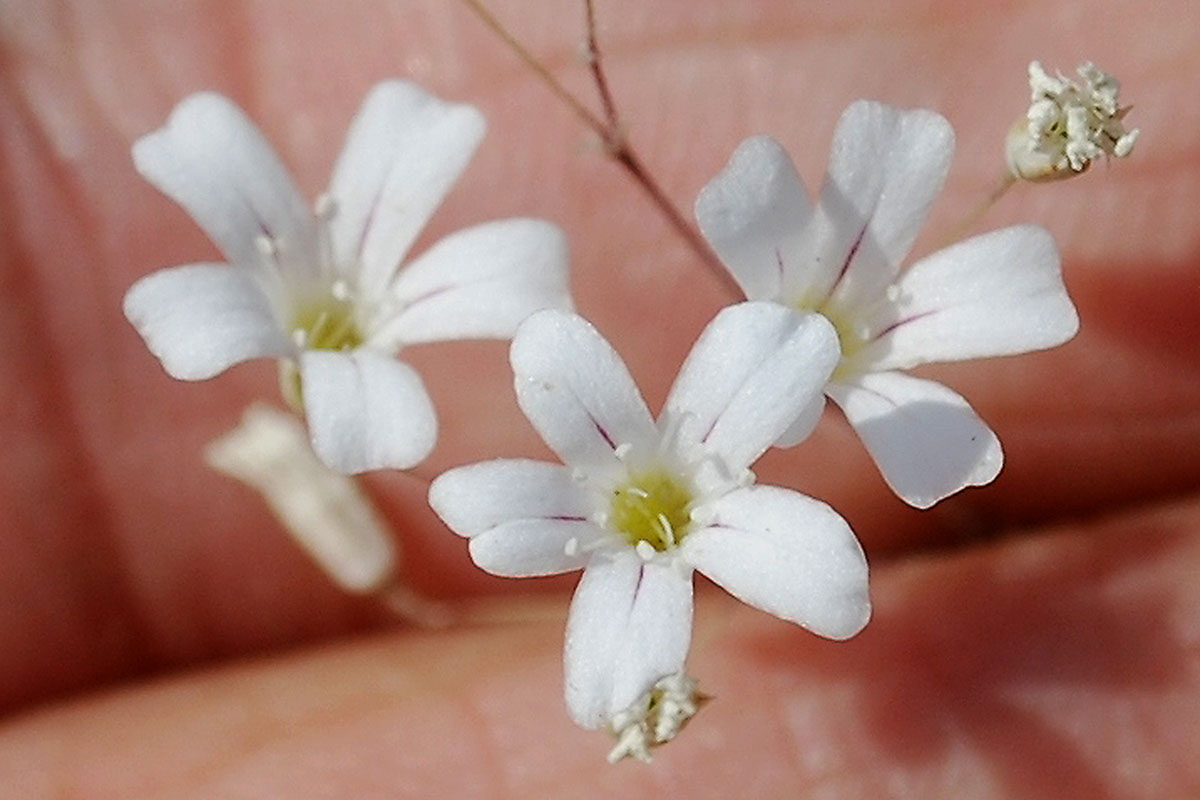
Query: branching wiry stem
pixel 572 102
pixel 611 133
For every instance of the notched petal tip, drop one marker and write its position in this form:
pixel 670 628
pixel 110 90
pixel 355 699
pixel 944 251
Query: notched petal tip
pixel 751 213
pixel 366 411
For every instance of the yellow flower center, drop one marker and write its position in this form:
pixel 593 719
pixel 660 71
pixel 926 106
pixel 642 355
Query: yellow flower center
pixel 327 325
pixel 850 336
pixel 651 508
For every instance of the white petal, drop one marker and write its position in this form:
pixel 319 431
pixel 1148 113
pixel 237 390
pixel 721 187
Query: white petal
pixel 404 151
pixel 201 319
pixel 576 391
pixel 366 410
pixel 787 554
pixel 527 548
pixel 803 425
pixel 476 498
pixel 885 168
pixel 753 213
pixel 993 295
pixel 629 626
pixel 521 515
pixel 925 439
pixel 753 370
pixel 479 283
pixel 211 160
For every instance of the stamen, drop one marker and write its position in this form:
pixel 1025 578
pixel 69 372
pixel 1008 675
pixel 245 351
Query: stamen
pixel 667 530
pixel 650 511
pixel 325 209
pixel 571 548
pixel 645 550
pixel 622 450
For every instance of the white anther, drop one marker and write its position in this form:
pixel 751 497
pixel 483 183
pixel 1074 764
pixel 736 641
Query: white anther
pixel 1124 144
pixel 622 450
pixel 326 207
pixel 645 550
pixel 300 338
pixel 340 291
pixel 267 246
pixel 893 293
pixel 571 548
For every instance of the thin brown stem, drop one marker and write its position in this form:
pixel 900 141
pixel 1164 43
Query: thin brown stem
pixel 964 226
pixel 630 161
pixel 594 61
pixel 611 134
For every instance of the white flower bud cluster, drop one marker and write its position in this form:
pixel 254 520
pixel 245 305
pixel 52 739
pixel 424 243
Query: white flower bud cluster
pixel 656 718
pixel 1069 124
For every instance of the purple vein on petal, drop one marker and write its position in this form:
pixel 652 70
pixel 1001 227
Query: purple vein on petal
pixel 904 321
pixel 849 257
pixel 600 430
pixel 429 295
pixel 367 223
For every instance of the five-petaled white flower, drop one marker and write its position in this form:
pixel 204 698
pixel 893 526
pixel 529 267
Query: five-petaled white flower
pixel 640 504
pixel 322 292
pixel 995 294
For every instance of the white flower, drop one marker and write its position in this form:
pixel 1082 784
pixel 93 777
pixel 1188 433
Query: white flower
pixel 995 294
pixel 640 505
pixel 322 291
pixel 1069 125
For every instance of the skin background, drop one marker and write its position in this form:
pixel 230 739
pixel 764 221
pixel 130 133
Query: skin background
pixel 1039 637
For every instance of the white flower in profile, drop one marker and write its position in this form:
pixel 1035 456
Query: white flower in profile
pixel 640 505
pixel 324 292
pixel 995 294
